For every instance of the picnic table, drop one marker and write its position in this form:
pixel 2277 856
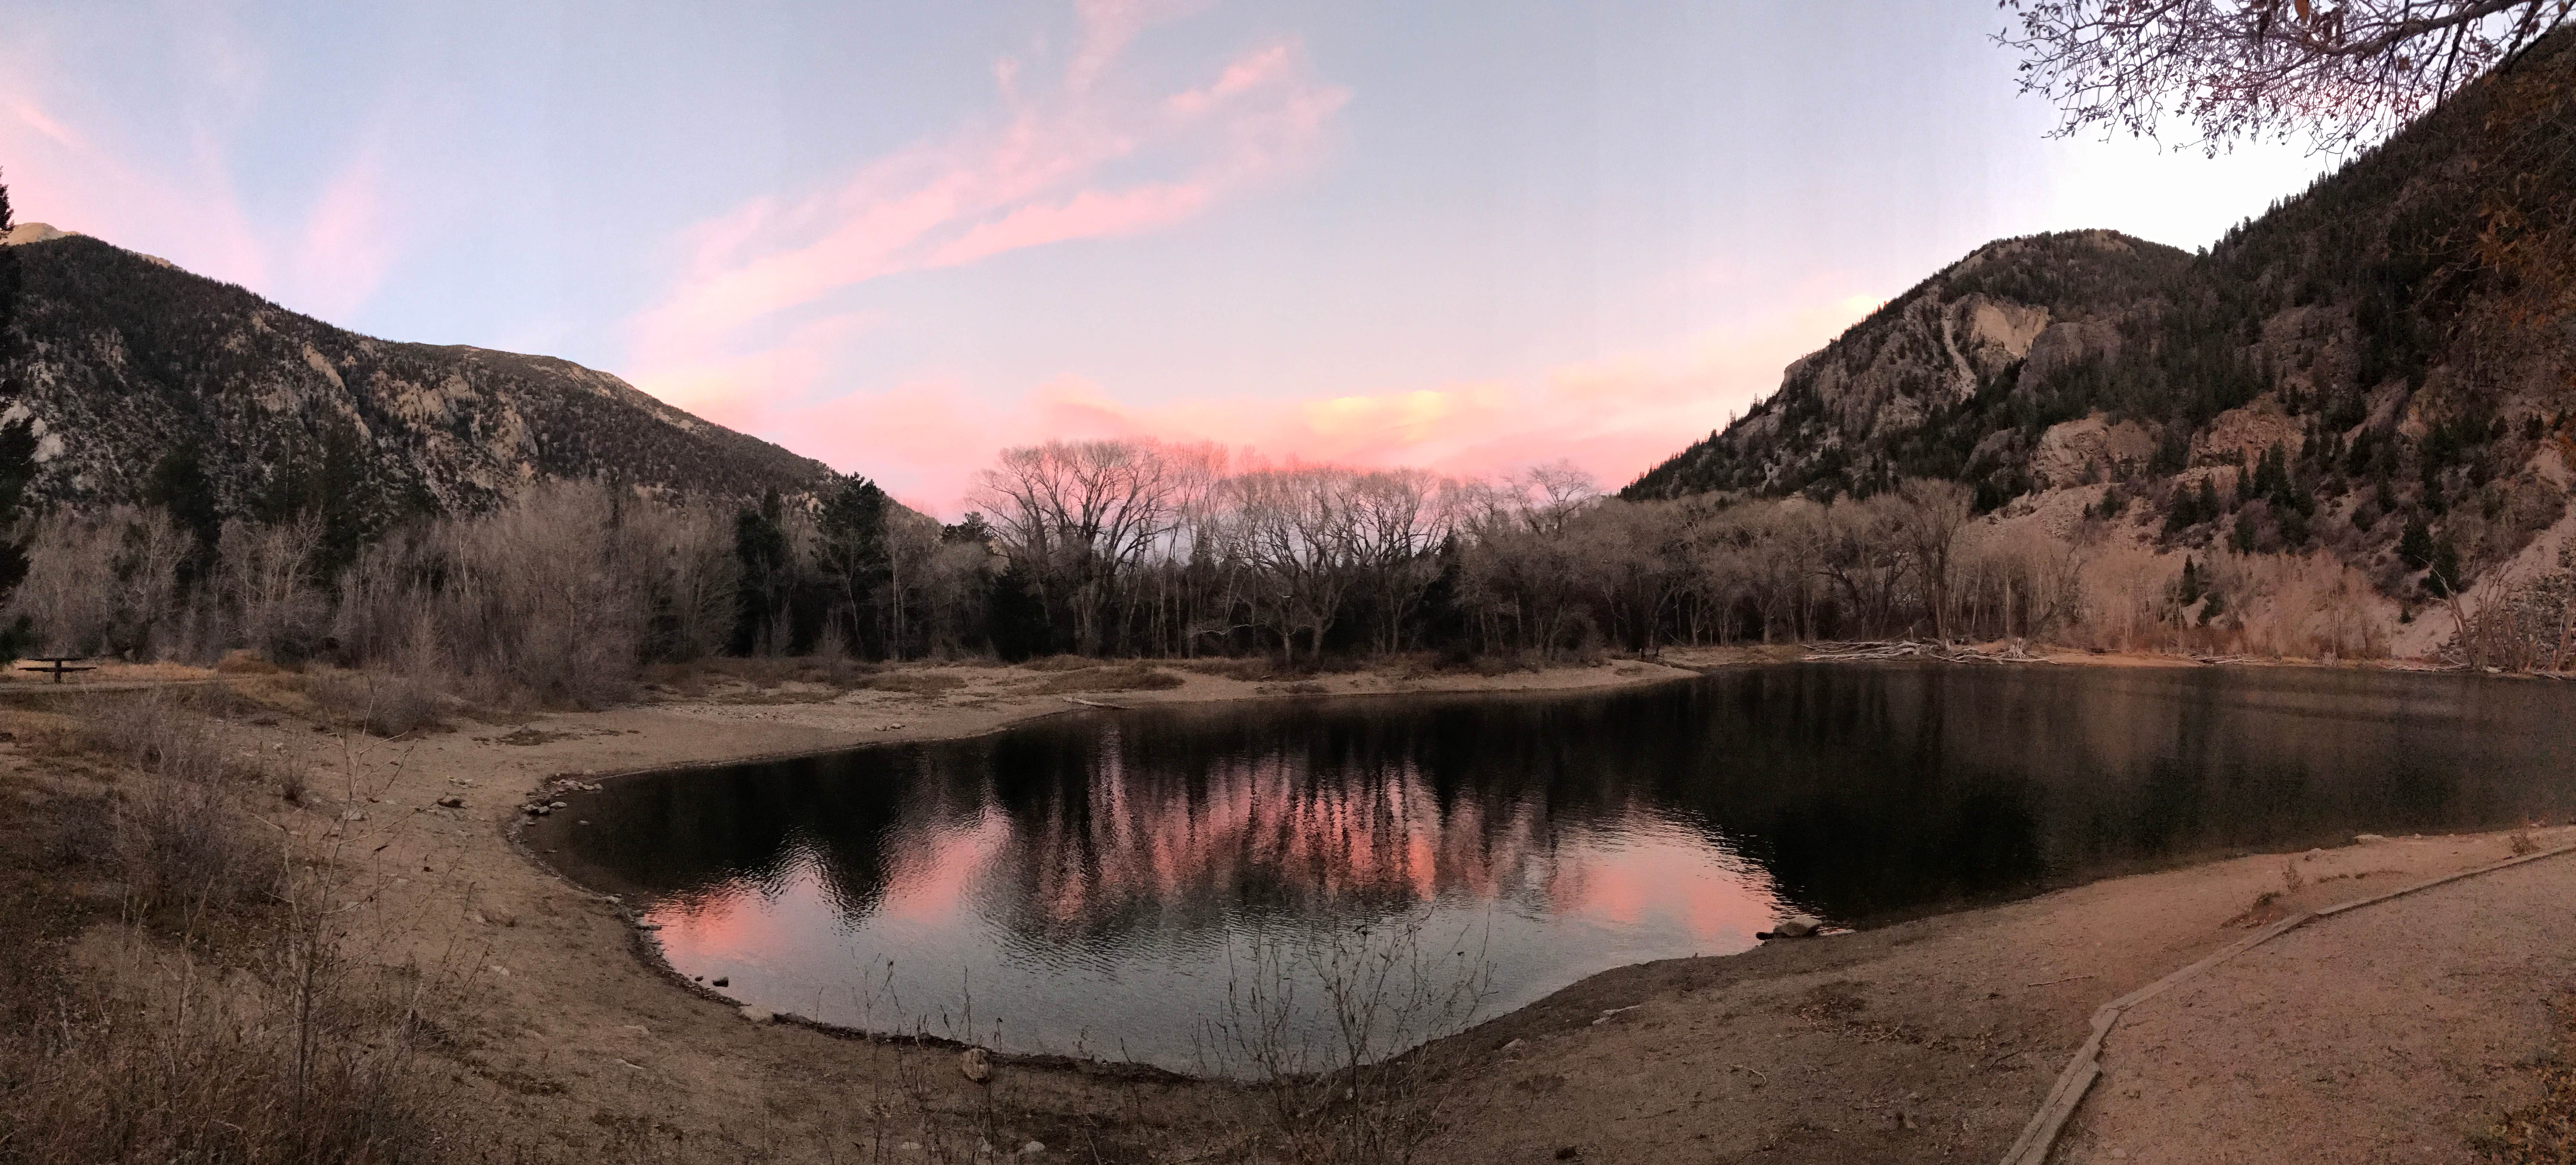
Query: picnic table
pixel 58 665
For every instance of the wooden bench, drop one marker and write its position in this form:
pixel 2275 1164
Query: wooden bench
pixel 58 665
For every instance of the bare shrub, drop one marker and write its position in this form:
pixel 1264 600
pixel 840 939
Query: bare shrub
pixel 182 838
pixel 692 585
pixel 2294 605
pixel 2126 589
pixel 1319 1024
pixel 67 555
pixel 384 703
pixel 2519 624
pixel 549 600
pixel 556 599
pixel 292 784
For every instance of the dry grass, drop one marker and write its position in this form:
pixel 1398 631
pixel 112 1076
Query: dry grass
pixel 386 704
pixel 917 683
pixel 2544 1131
pixel 760 671
pixel 1115 677
pixel 156 1054
pixel 1061 663
pixel 245 662
pixel 206 1007
pixel 1249 670
pixel 779 695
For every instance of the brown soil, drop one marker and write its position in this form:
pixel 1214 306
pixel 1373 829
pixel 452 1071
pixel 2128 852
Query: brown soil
pixel 1935 1040
pixel 1930 1040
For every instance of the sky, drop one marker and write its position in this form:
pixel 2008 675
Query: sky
pixel 897 236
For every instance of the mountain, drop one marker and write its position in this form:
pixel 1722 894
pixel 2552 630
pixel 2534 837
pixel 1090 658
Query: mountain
pixel 132 367
pixel 1936 382
pixel 2382 365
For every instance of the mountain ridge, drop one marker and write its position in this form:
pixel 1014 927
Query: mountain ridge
pixel 124 361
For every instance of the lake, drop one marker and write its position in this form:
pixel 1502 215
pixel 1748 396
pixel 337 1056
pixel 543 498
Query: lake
pixel 1201 887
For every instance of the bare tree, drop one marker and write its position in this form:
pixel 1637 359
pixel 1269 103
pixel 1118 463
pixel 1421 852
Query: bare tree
pixel 694 580
pixel 67 556
pixel 2345 71
pixel 267 585
pixel 1298 530
pixel 1864 557
pixel 1079 513
pixel 1399 517
pixel 1936 512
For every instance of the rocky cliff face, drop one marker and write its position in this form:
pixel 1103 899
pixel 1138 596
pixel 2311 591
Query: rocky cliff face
pixel 1887 399
pixel 124 361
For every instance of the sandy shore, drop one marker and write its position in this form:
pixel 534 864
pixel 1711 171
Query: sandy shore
pixel 1929 1040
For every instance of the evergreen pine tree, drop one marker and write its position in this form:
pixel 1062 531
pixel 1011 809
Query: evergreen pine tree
pixel 17 446
pixel 2415 545
pixel 853 525
pixel 760 543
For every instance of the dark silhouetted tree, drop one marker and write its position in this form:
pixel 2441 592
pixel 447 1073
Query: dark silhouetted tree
pixel 17 446
pixel 852 521
pixel 179 485
pixel 768 575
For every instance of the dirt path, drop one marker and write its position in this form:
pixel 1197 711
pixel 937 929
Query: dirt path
pixel 2394 1033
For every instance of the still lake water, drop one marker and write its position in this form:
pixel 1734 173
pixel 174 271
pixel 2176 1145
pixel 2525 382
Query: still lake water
pixel 1103 883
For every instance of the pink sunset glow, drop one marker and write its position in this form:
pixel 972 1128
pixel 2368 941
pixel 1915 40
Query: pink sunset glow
pixel 1611 418
pixel 900 238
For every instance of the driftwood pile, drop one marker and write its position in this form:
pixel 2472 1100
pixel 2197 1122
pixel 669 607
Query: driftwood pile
pixel 2015 651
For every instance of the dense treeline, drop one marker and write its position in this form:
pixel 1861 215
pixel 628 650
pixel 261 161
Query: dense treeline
pixel 564 594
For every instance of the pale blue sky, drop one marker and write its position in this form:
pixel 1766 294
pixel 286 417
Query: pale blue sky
pixel 899 235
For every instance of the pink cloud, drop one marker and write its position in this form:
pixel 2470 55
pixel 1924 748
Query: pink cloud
pixel 1086 160
pixel 329 263
pixel 347 244
pixel 1089 214
pixel 60 175
pixel 1613 417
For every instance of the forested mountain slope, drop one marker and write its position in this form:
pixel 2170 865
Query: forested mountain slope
pixel 148 380
pixel 2380 366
